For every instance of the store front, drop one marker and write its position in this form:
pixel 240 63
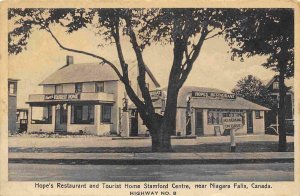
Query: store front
pixel 200 112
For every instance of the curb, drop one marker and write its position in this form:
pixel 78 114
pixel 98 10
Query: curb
pixel 146 161
pixel 149 137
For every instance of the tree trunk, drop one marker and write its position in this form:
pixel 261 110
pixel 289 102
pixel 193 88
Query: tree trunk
pixel 281 114
pixel 161 140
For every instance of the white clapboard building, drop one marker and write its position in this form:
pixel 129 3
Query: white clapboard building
pixel 85 98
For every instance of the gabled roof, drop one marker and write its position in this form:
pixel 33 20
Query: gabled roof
pixel 289 83
pixel 238 103
pixel 87 72
pixel 271 81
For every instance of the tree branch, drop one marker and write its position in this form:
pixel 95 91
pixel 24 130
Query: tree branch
pixel 132 95
pixel 190 61
pixel 216 34
pixel 142 71
pixel 86 53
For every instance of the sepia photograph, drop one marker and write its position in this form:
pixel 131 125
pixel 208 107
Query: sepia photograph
pixel 119 95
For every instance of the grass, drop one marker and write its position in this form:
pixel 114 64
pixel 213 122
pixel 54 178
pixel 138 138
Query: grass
pixel 253 146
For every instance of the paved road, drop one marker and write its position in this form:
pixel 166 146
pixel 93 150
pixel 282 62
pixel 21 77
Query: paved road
pixel 226 172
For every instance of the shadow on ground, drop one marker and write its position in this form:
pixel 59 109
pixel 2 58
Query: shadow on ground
pixel 259 146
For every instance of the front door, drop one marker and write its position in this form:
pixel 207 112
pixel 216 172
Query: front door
pixel 134 123
pixel 249 122
pixel 61 118
pixel 199 123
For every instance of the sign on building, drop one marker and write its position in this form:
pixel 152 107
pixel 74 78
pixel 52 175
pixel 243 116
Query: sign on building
pixel 156 94
pixel 232 122
pixel 213 95
pixel 72 96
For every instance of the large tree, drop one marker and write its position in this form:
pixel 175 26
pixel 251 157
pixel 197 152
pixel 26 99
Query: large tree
pixel 268 32
pixel 252 89
pixel 184 29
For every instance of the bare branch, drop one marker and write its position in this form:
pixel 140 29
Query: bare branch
pixel 142 69
pixel 216 34
pixel 132 95
pixel 86 53
pixel 192 59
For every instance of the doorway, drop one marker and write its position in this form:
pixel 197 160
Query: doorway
pixel 199 123
pixel 249 122
pixel 61 118
pixel 134 123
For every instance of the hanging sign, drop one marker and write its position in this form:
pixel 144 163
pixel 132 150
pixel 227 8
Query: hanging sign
pixel 71 96
pixel 213 95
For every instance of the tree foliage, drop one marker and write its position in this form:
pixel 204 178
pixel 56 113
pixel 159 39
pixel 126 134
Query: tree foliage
pixel 252 89
pixel 267 32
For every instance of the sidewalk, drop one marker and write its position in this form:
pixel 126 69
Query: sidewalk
pixel 150 158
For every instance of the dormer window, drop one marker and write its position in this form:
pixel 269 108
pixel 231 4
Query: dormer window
pixel 78 87
pixel 58 89
pixel 276 85
pixel 99 87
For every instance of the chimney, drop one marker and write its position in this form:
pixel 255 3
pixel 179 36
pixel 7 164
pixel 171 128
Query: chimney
pixel 70 60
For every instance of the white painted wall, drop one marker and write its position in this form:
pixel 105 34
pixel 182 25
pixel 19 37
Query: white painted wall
pixel 259 124
pixel 48 89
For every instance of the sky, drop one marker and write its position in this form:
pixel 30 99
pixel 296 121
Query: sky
pixel 213 68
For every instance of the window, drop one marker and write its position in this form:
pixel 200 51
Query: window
pixel 257 115
pixel 12 88
pixel 214 117
pixel 78 87
pixel 58 88
pixel 275 85
pixel 106 113
pixel 41 114
pixel 83 114
pixel 99 87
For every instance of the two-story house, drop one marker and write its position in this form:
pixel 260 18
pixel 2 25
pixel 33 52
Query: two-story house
pixel 272 116
pixel 85 97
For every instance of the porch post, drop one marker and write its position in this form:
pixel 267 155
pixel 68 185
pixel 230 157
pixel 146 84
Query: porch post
pixel 69 117
pixel 193 127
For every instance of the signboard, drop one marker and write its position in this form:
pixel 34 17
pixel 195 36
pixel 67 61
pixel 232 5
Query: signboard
pixel 213 95
pixel 232 122
pixel 155 94
pixel 72 96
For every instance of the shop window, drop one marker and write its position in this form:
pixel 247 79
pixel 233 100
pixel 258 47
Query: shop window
pixel 276 85
pixel 106 113
pixel 58 88
pixel 214 117
pixel 12 88
pixel 99 87
pixel 41 115
pixel 78 87
pixel 258 114
pixel 83 114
